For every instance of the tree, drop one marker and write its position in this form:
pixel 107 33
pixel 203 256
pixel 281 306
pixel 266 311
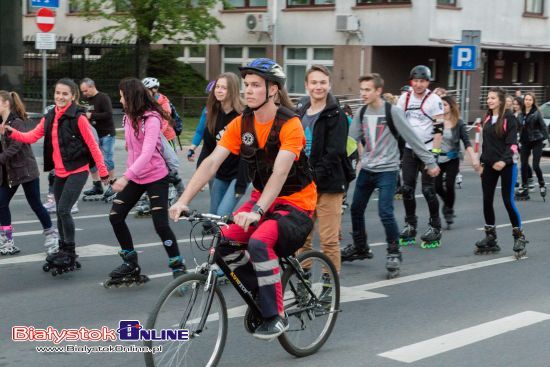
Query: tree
pixel 150 21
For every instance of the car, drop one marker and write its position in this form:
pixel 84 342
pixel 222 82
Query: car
pixel 545 110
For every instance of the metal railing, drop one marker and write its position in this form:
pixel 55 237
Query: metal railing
pixel 538 90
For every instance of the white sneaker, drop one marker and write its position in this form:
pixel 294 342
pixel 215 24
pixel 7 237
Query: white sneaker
pixel 51 242
pixel 8 248
pixel 74 209
pixel 49 205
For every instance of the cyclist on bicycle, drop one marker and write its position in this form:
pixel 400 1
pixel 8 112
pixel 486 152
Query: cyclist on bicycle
pixel 276 220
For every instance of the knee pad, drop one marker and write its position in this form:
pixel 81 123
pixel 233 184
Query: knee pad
pixel 407 192
pixel 429 193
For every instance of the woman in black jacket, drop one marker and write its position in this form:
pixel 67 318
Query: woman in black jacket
pixel 498 159
pixel 449 159
pixel 533 133
pixel 18 167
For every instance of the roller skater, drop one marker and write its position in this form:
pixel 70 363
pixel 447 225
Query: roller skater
pixel 519 243
pixel 489 244
pixel 128 274
pixel 432 237
pixel 407 237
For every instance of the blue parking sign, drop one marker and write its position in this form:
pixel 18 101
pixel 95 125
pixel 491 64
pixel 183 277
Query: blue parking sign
pixel 464 57
pixel 45 3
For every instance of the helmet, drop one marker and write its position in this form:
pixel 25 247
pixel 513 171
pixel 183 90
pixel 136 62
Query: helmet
pixel 210 86
pixel 267 69
pixel 150 83
pixel 421 72
pixel 406 88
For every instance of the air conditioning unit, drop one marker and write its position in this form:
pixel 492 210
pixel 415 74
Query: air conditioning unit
pixel 347 23
pixel 257 22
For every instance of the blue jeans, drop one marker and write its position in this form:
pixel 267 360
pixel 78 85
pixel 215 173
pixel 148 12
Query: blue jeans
pixel 107 147
pixel 365 184
pixel 222 197
pixel 32 193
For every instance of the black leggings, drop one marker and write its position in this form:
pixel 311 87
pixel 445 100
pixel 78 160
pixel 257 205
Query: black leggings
pixel 410 167
pixel 66 191
pixel 526 148
pixel 447 193
pixel 125 201
pixel 489 179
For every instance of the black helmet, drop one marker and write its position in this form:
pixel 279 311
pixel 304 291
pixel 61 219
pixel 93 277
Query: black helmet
pixel 267 69
pixel 421 72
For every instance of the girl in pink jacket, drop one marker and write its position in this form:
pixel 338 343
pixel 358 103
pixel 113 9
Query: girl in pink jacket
pixel 146 171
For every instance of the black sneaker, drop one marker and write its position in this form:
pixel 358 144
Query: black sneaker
pixel 352 252
pixel 271 328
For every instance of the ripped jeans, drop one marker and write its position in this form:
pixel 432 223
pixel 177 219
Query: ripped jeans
pixel 125 201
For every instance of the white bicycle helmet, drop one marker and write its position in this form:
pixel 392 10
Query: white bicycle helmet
pixel 150 83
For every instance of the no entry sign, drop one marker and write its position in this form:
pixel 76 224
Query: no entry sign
pixel 45 19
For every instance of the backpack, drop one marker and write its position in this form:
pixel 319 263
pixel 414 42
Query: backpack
pixel 178 122
pixel 389 122
pixel 421 108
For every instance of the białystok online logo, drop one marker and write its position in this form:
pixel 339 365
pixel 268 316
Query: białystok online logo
pixel 128 330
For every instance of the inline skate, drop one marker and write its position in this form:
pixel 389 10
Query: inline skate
pixel 489 244
pixel 542 188
pixel 519 243
pixel 143 207
pixel 7 246
pixel 432 237
pixel 95 193
pixel 522 194
pixel 448 214
pixel 64 261
pixel 407 237
pixel 393 264
pixel 128 274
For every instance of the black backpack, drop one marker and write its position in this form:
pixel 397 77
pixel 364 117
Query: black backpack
pixel 389 121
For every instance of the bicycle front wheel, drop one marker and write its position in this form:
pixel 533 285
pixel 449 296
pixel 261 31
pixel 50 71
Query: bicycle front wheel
pixel 311 305
pixel 182 305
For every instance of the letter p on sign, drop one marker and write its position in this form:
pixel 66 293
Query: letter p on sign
pixel 464 58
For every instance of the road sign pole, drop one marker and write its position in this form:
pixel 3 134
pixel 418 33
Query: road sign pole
pixel 467 108
pixel 44 80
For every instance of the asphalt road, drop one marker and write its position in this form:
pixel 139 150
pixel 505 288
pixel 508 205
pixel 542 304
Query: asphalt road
pixel 449 307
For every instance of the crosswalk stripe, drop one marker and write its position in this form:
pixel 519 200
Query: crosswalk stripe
pixel 32 233
pixel 458 339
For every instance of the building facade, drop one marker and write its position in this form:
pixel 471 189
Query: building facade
pixel 353 37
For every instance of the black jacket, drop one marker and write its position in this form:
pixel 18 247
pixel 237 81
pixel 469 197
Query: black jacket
pixel 533 127
pixel 16 158
pixel 328 147
pixel 499 148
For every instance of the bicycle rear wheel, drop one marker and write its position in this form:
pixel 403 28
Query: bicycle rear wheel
pixel 180 306
pixel 311 319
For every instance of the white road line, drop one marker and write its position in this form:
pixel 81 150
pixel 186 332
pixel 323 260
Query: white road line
pixel 522 222
pixel 435 273
pixel 53 217
pixel 464 337
pixel 32 233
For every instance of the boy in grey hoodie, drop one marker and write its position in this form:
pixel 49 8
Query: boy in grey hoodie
pixel 379 168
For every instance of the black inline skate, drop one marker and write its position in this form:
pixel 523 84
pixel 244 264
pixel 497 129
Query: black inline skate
pixel 522 194
pixel 432 237
pixel 542 187
pixel 519 243
pixel 109 195
pixel 448 214
pixel 393 260
pixel 128 274
pixel 407 237
pixel 489 244
pixel 95 193
pixel 50 257
pixel 352 252
pixel 64 261
pixel 143 207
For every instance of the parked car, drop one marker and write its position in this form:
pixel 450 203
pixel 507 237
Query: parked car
pixel 545 110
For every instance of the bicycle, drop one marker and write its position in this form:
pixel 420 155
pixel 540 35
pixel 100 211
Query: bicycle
pixel 311 293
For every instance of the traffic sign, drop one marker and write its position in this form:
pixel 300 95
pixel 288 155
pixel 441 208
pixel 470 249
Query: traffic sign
pixel 45 19
pixel 45 41
pixel 464 58
pixel 54 4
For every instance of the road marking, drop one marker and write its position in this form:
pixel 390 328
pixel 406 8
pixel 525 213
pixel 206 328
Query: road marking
pixel 435 273
pixel 464 337
pixel 31 233
pixel 83 251
pixel 53 217
pixel 522 222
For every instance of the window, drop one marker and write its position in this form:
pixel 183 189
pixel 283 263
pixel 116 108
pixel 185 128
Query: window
pixel 432 64
pixel 532 78
pixel 534 7
pixel 299 59
pixel 195 56
pixel 235 56
pixel 230 4
pixel 516 72
pixel 385 2
pixel 446 2
pixel 299 3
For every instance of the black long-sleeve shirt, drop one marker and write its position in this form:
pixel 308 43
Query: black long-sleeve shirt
pixel 499 148
pixel 102 114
